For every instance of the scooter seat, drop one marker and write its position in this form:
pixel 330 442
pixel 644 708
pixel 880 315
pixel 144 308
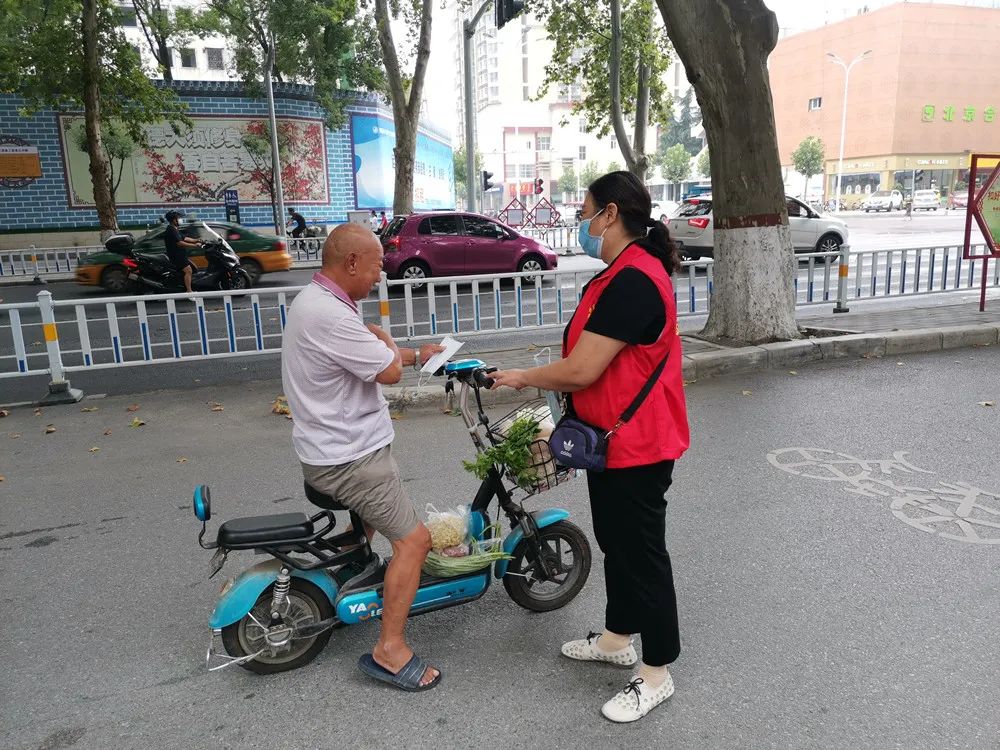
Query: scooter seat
pixel 321 498
pixel 259 530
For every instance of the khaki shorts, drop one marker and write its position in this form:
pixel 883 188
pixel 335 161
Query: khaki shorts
pixel 372 488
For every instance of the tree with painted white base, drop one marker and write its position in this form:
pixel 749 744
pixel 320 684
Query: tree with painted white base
pixel 724 45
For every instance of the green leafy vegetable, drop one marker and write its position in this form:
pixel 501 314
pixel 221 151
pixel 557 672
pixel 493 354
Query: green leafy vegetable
pixel 513 454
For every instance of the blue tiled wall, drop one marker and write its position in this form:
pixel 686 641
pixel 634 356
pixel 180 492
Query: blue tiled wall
pixel 44 204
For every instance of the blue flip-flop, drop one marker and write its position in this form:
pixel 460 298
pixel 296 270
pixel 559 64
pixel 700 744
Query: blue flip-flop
pixel 408 678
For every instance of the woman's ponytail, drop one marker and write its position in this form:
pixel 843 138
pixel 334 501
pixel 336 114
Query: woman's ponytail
pixel 659 244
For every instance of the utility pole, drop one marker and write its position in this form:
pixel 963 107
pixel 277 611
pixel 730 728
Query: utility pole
pixel 468 32
pixel 275 159
pixel 843 117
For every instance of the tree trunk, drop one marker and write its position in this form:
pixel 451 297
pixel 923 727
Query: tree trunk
pixel 641 116
pixel 163 57
pixel 635 157
pixel 99 168
pixel 724 45
pixel 405 108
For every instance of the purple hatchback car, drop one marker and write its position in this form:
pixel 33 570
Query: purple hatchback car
pixel 448 243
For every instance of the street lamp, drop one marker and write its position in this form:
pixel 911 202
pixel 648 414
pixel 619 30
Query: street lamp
pixel 843 118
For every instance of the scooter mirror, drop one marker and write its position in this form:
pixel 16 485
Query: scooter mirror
pixel 202 503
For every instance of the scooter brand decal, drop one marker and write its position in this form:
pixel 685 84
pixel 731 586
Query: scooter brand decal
pixel 365 611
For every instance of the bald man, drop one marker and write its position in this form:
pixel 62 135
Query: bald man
pixel 333 367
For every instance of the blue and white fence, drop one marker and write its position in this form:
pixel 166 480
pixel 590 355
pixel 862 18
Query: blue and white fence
pixel 61 337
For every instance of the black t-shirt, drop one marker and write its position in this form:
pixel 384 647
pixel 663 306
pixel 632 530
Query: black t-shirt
pixel 300 223
pixel 172 238
pixel 630 309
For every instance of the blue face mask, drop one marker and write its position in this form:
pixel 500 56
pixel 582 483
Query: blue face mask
pixel 591 245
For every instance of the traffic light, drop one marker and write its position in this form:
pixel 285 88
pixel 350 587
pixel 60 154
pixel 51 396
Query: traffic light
pixel 918 176
pixel 538 185
pixel 507 10
pixel 487 185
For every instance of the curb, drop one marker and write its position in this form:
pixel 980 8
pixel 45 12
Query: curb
pixel 784 354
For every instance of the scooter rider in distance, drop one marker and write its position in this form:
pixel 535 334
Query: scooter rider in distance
pixel 176 246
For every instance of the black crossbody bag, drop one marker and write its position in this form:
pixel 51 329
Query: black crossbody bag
pixel 579 445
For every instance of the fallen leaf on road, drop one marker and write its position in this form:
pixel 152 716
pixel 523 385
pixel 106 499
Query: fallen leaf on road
pixel 793 372
pixel 395 415
pixel 216 406
pixel 36 343
pixel 288 416
pixel 899 364
pixel 136 422
pixel 107 431
pixel 49 429
pixel 2 478
pixel 14 435
pixel 987 403
pixel 280 406
pixel 133 407
pixel 747 393
pixel 94 449
pixel 182 460
pixel 38 412
pixel 4 413
pixel 89 408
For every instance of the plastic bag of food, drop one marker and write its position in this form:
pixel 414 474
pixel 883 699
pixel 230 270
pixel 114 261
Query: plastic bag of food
pixel 459 550
pixel 448 528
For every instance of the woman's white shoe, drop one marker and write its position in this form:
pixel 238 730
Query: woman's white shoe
pixel 636 700
pixel 586 649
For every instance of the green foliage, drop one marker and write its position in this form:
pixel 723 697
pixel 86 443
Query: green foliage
pixel 589 174
pixel 567 181
pixel 460 166
pixel 614 167
pixel 164 28
pixel 679 127
pixel 808 158
pixel 705 164
pixel 676 164
pixel 581 31
pixel 315 41
pixel 41 60
pixel 118 146
pixel 513 454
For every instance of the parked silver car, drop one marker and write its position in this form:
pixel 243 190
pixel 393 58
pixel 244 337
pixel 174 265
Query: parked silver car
pixel 883 200
pixel 812 232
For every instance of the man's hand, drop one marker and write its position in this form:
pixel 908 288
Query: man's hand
pixel 427 351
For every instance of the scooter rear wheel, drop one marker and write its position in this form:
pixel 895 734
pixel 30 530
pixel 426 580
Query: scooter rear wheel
pixel 306 603
pixel 564 547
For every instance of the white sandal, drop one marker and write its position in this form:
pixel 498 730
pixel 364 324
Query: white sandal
pixel 587 649
pixel 636 700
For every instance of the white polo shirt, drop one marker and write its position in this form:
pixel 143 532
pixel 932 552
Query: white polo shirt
pixel 329 362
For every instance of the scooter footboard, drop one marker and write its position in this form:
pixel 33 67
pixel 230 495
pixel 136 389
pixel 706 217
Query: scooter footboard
pixel 239 596
pixel 542 518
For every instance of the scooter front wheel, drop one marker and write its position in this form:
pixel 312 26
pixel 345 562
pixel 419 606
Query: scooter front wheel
pixel 552 582
pixel 276 647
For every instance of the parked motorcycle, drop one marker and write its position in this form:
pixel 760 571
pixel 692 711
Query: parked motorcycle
pixel 155 271
pixel 278 614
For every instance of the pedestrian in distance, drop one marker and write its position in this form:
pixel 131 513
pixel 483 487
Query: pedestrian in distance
pixel 177 246
pixel 333 367
pixel 373 222
pixel 621 340
pixel 909 207
pixel 383 222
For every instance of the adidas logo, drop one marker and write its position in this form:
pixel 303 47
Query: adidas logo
pixel 568 445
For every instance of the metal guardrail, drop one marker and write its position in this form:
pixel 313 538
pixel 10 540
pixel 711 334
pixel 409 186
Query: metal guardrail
pixel 111 332
pixel 41 262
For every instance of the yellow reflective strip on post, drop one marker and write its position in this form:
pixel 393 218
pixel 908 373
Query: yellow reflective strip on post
pixel 843 270
pixel 383 308
pixel 50 331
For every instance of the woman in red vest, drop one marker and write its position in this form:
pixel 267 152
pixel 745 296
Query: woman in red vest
pixel 624 326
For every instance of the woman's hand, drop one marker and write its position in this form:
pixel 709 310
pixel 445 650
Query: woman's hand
pixel 510 378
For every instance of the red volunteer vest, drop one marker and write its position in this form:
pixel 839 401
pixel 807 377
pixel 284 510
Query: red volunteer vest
pixel 659 429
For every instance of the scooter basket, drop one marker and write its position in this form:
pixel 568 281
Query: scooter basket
pixel 544 471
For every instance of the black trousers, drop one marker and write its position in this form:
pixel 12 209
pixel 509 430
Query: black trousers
pixel 630 519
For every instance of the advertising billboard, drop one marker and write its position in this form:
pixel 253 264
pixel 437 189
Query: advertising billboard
pixel 198 166
pixel 372 141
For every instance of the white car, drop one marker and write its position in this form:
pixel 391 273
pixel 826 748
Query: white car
pixel 663 210
pixel 812 232
pixel 927 200
pixel 883 200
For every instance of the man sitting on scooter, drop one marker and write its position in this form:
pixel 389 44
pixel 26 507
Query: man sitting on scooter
pixel 332 366
pixel 177 246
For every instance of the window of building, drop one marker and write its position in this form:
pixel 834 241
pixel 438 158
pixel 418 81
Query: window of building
pixel 544 142
pixel 494 92
pixel 126 17
pixel 215 61
pixel 614 143
pixel 567 164
pixel 510 172
pixel 582 125
pixel 187 58
pixel 816 103
pixel 583 153
pixel 526 171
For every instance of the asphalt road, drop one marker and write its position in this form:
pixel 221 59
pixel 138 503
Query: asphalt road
pixel 829 597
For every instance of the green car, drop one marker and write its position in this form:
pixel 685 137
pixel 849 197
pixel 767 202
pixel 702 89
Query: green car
pixel 259 254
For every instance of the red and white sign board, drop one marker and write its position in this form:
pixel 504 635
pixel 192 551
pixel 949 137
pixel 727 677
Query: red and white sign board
pixel 984 207
pixel 544 214
pixel 515 214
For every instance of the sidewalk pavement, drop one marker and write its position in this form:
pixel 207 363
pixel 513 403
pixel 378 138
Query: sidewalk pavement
pixel 870 329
